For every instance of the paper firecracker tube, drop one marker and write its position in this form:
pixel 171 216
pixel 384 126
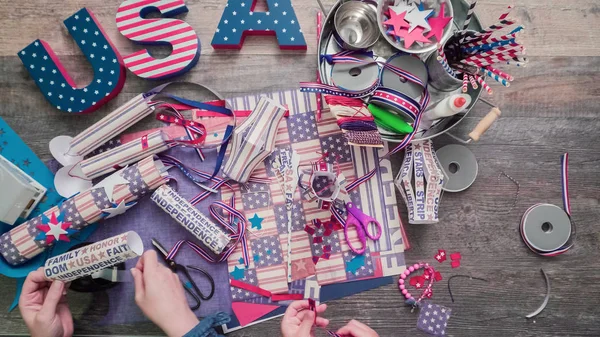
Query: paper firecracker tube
pixel 94 257
pixel 211 235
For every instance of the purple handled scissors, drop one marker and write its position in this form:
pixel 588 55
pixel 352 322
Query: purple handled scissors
pixel 361 222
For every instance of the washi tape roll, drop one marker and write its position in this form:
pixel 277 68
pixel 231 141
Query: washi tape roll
pixel 355 76
pixel 206 231
pixel 460 165
pixel 125 154
pixel 92 258
pixel 545 228
pixel 411 64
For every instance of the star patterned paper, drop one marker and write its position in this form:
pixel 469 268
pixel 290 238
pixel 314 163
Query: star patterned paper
pixel 239 20
pixel 54 229
pixel 268 250
pixel 57 86
pixel 433 318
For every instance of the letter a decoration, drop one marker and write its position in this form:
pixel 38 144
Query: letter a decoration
pixel 239 20
pixel 180 35
pixel 55 83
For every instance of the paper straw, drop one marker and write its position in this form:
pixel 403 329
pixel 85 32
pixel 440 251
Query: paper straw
pixel 500 73
pixel 319 95
pixel 465 85
pixel 485 47
pixel 484 84
pixel 468 20
pixel 125 154
pixel 505 14
pixel 497 78
pixel 473 82
pixel 110 126
pixel 92 258
pixel 446 67
pixel 206 231
pixel 489 58
pixel 517 30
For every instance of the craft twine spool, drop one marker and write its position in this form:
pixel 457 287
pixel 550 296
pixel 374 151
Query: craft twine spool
pixel 546 229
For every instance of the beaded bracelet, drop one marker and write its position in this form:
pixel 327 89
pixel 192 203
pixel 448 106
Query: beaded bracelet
pixel 429 274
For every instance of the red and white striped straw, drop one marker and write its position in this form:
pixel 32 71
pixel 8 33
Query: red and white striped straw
pixel 465 86
pixel 319 96
pixel 473 82
pixel 441 51
pixel 503 55
pixel 505 15
pixel 500 73
pixel 484 84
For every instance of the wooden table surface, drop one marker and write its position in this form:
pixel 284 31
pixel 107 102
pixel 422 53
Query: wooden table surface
pixel 550 108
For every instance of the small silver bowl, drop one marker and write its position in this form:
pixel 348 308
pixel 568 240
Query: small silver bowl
pixel 356 25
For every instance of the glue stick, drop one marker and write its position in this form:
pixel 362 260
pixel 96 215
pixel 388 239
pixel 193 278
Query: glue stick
pixel 449 106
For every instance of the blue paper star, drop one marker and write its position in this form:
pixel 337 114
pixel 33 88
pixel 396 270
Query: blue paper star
pixel 238 273
pixel 256 258
pixel 355 264
pixel 256 221
pixel 241 260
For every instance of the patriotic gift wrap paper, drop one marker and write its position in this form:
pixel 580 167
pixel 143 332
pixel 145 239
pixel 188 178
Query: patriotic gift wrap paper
pixel 19 245
pixel 433 318
pixel 265 204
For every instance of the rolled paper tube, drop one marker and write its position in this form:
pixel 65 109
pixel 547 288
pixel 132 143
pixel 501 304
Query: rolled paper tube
pixel 112 125
pixel 108 198
pixel 206 231
pixel 254 140
pixel 125 154
pixel 92 258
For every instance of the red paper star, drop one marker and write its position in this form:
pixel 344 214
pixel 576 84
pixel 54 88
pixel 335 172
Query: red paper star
pixel 415 36
pixel 397 21
pixel 54 229
pixel 438 23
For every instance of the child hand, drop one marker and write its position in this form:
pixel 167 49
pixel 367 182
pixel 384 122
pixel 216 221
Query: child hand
pixel 357 329
pixel 298 320
pixel 43 305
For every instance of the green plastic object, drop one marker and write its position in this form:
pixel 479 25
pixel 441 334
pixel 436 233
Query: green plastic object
pixel 390 121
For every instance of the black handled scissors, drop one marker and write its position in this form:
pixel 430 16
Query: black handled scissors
pixel 189 286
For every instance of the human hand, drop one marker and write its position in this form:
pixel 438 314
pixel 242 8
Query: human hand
pixel 357 329
pixel 159 293
pixel 43 305
pixel 298 320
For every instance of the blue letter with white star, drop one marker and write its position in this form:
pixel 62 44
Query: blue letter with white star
pixel 240 20
pixel 56 84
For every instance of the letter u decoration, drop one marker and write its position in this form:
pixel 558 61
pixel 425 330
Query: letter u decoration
pixel 176 33
pixel 55 83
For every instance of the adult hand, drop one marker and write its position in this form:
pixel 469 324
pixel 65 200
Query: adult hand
pixel 357 329
pixel 43 305
pixel 160 295
pixel 298 320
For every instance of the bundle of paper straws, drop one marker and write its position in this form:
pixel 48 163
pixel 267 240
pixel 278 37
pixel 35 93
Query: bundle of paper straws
pixel 469 55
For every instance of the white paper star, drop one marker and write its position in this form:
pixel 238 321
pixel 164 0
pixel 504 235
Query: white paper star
pixel 55 230
pixel 109 184
pixel 418 18
pixel 118 210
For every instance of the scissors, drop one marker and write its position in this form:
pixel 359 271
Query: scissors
pixel 189 286
pixel 361 222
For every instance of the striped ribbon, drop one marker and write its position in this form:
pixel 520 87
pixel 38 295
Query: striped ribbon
pixel 235 223
pixel 564 160
pixel 196 131
pixel 187 171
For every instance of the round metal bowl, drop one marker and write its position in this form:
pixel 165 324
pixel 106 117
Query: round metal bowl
pixel 383 50
pixel 383 6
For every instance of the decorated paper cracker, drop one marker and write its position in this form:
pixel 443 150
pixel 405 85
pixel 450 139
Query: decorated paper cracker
pixel 111 197
pixel 211 235
pixel 94 257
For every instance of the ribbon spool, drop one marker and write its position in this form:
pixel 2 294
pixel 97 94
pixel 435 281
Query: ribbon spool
pixel 411 64
pixel 546 229
pixel 460 165
pixel 355 77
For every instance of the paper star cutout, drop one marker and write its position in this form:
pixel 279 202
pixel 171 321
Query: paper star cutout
pixel 397 21
pixel 355 264
pixel 412 37
pixel 403 8
pixel 119 209
pixel 238 273
pixel 418 18
pixel 54 229
pixel 241 260
pixel 256 221
pixel 439 23
pixel 109 184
